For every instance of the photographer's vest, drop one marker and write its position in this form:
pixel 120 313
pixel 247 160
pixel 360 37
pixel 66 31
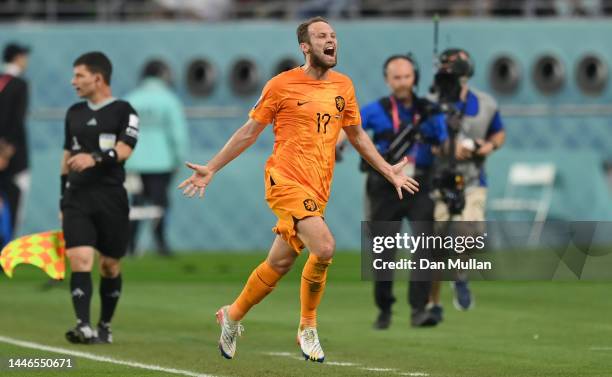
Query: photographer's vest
pixel 475 127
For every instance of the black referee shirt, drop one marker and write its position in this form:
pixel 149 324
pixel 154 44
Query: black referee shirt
pixel 97 128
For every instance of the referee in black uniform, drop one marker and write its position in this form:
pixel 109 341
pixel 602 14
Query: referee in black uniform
pixel 100 134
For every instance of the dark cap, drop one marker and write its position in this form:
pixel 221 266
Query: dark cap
pixel 156 68
pixel 12 50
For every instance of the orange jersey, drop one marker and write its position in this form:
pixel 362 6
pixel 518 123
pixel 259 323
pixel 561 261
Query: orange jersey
pixel 307 115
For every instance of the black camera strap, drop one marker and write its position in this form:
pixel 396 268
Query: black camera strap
pixel 403 135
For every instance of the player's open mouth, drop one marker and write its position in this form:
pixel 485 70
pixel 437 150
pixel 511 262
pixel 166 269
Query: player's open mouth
pixel 329 51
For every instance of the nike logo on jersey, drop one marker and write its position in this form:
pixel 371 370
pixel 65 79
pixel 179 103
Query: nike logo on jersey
pixel 92 122
pixel 300 103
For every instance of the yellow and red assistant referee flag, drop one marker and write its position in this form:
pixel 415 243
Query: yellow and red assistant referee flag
pixel 45 250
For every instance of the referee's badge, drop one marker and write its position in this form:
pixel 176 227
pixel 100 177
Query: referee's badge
pixel 107 142
pixel 133 121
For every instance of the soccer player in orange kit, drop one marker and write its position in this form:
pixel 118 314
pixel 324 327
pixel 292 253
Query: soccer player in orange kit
pixel 308 106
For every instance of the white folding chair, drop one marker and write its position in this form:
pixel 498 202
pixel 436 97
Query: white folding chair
pixel 133 185
pixel 528 175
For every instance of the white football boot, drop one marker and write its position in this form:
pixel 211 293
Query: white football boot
pixel 308 340
pixel 230 331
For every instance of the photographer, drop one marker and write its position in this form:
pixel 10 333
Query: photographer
pixel 475 130
pixel 401 128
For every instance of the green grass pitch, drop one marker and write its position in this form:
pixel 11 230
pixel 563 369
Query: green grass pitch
pixel 166 318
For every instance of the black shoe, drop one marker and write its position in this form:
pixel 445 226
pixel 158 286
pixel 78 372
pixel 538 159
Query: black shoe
pixel 422 318
pixel 383 321
pixel 105 335
pixel 51 283
pixel 463 299
pixel 437 312
pixel 81 334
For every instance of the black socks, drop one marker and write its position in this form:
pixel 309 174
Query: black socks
pixel 80 289
pixel 110 290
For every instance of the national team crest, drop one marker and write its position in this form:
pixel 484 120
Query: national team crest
pixel 310 205
pixel 339 103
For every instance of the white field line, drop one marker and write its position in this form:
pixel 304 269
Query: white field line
pixel 104 359
pixel 372 369
pixel 351 364
pixel 284 354
pixel 342 363
pixel 600 349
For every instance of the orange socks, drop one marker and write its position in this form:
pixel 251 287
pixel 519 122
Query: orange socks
pixel 262 281
pixel 314 276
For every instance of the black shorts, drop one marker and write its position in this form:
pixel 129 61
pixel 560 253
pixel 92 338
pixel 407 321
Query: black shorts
pixel 98 217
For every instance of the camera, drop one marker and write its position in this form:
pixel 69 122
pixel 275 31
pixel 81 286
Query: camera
pixel 447 89
pixel 450 184
pixel 454 65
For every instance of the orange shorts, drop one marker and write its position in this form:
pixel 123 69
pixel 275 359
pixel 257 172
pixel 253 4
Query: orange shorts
pixel 290 203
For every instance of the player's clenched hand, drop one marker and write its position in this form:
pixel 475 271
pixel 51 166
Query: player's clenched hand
pixel 401 181
pixel 198 181
pixel 81 161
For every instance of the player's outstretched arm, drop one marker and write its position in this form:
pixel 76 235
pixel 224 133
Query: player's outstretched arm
pixel 394 174
pixel 243 138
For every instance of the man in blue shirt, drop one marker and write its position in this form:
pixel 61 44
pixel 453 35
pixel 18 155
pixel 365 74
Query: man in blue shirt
pixel 386 118
pixel 480 132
